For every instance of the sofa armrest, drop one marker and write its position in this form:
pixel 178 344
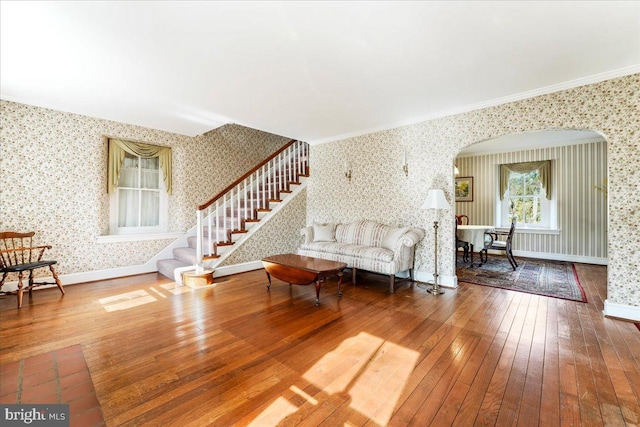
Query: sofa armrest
pixel 307 232
pixel 409 239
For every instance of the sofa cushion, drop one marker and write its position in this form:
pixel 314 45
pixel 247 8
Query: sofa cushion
pixel 324 232
pixel 365 233
pixel 357 251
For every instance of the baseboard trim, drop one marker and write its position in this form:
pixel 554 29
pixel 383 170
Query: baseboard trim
pixel 88 276
pixel 445 281
pixel 558 257
pixel 621 311
pixel 228 270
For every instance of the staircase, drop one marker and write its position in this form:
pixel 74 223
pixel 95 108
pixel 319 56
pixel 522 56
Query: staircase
pixel 229 218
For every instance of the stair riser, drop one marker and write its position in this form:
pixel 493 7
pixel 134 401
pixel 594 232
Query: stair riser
pixel 207 246
pixel 186 255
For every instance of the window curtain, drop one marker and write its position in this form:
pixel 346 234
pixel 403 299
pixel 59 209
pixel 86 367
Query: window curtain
pixel 543 167
pixel 117 150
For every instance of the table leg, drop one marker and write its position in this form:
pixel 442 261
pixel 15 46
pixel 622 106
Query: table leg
pixel 339 283
pixel 318 284
pixel 268 277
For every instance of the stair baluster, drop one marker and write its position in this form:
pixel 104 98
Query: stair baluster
pixel 226 215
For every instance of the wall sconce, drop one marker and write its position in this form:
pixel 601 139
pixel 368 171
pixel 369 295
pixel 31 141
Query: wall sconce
pixel 405 166
pixel 347 171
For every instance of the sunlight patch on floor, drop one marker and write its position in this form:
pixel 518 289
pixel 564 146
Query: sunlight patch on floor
pixel 175 288
pixel 370 371
pixel 126 300
pixel 271 416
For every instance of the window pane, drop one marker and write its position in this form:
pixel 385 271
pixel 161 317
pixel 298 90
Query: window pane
pixel 516 184
pixel 149 179
pixel 127 208
pixel 537 210
pixel 532 186
pixel 150 169
pixel 528 210
pixel 150 215
pixel 129 172
pixel 152 163
pixel 517 210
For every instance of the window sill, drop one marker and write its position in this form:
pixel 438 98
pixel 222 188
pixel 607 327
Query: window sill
pixel 531 230
pixel 115 238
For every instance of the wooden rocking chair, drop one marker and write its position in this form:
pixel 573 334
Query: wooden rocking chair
pixel 17 255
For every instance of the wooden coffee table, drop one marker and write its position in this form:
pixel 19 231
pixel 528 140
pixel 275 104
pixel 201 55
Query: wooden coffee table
pixel 303 270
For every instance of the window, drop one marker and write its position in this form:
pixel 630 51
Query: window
pixel 525 195
pixel 138 187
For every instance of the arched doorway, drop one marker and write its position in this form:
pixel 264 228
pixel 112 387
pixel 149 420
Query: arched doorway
pixel 576 227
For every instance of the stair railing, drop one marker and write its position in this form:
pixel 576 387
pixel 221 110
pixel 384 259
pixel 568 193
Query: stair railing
pixel 227 212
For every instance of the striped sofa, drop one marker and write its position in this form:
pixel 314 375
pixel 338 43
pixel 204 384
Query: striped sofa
pixel 366 245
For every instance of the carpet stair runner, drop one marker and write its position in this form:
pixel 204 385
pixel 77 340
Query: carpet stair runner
pixel 240 211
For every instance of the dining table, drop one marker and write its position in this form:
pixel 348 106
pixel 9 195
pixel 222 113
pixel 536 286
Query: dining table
pixel 475 236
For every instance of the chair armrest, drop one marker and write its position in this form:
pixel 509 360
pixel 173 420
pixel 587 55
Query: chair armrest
pixel 492 237
pixel 41 249
pixel 307 232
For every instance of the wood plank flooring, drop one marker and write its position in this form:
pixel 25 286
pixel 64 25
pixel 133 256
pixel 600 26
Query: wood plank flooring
pixel 234 353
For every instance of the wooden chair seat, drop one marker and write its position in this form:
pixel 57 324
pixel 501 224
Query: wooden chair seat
pixel 27 266
pixel 17 255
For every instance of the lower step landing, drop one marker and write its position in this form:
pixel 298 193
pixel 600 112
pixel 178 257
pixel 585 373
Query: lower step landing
pixel 197 279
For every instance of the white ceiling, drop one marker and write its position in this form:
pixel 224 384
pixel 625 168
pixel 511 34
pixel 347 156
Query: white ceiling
pixel 314 71
pixel 531 140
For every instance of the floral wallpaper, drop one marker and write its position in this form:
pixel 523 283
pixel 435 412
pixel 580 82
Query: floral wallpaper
pixel 53 180
pixel 380 191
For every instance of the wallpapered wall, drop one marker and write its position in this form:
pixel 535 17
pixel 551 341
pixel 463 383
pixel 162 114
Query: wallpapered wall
pixel 380 191
pixel 582 210
pixel 53 180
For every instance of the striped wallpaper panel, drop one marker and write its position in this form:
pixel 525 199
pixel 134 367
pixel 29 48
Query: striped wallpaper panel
pixel 582 210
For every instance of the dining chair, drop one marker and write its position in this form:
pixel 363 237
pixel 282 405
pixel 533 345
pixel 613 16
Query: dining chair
pixel 462 220
pixel 462 244
pixel 500 241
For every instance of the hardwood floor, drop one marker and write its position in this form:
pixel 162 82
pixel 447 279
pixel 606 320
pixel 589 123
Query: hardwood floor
pixel 234 354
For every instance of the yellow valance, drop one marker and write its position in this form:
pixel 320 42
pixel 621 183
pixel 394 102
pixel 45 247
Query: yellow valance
pixel 117 150
pixel 543 167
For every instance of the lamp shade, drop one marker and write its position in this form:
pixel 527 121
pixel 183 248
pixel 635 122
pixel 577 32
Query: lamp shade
pixel 436 200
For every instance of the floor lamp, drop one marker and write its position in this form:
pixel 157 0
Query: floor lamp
pixel 436 200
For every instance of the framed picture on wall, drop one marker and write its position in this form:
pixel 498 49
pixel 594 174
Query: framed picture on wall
pixel 464 189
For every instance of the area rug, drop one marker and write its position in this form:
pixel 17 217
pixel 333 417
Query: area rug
pixel 555 279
